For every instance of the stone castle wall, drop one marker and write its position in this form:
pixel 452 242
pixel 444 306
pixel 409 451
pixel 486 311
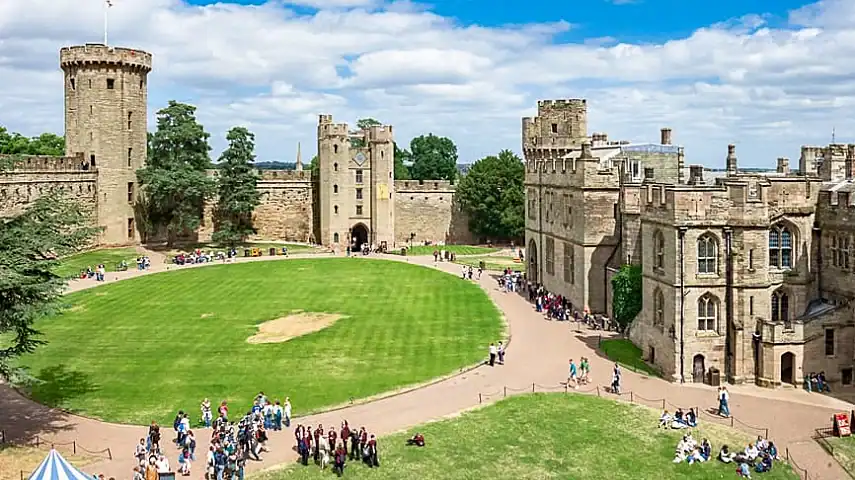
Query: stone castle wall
pixel 34 176
pixel 429 210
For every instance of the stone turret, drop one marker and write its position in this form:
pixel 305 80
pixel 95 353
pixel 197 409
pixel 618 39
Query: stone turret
pixel 299 163
pixel 731 160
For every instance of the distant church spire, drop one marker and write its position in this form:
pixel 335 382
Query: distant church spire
pixel 299 159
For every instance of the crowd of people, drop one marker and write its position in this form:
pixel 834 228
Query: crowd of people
pixel 99 273
pixel 816 382
pixel 758 456
pixel 336 447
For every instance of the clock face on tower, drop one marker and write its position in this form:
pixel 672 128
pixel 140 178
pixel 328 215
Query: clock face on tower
pixel 359 158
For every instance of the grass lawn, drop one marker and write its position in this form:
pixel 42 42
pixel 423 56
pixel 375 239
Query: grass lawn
pixel 417 250
pixel 110 257
pixel 624 352
pixel 14 460
pixel 492 262
pixel 843 450
pixel 141 349
pixel 545 436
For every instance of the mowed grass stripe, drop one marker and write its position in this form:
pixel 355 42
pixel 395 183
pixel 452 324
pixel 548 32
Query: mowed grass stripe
pixel 139 350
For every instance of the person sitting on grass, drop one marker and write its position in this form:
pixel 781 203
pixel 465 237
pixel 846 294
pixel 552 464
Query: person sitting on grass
pixel 706 449
pixel 772 450
pixel 691 419
pixel 696 456
pixel 665 420
pixel 751 452
pixel 764 465
pixel 417 440
pixel 679 422
pixel 743 470
pixel 724 455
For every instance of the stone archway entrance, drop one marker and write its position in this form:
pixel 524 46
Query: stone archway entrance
pixel 788 361
pixel 698 368
pixel 532 271
pixel 358 236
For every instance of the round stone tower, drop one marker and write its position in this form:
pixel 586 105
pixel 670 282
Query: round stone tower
pixel 106 121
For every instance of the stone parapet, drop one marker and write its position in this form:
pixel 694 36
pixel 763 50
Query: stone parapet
pixel 407 186
pixel 94 53
pixel 46 163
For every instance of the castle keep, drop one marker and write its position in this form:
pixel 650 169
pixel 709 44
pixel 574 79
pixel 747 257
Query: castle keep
pixel 745 277
pixel 352 198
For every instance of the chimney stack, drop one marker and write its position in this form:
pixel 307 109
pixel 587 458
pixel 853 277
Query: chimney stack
pixel 665 135
pixel 586 151
pixel 783 165
pixel 731 160
pixel 696 174
pixel 850 161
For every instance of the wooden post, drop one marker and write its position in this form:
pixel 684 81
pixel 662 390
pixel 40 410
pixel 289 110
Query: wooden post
pixel 663 404
pixel 731 421
pixel 505 394
pixel 74 446
pixel 598 390
pixel 109 454
pixel 631 398
pixel 532 388
pixel 479 398
pixel 767 435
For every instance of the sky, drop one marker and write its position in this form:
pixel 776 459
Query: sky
pixel 765 75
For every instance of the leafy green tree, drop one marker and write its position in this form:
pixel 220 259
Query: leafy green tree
pixel 313 165
pixel 492 194
pixel 626 294
pixel 30 243
pixel 174 181
pixel 434 158
pixel 17 144
pixel 402 171
pixel 363 124
pixel 238 196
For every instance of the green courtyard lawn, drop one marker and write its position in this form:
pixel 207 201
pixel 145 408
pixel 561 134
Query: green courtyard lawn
pixel 141 349
pixel 624 352
pixel 264 246
pixel 843 450
pixel 417 250
pixel 545 436
pixel 110 257
pixel 492 262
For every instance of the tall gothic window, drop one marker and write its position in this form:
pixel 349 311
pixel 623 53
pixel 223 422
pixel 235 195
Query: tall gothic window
pixel 658 249
pixel 658 308
pixel 781 307
pixel 707 254
pixel 780 247
pixel 708 313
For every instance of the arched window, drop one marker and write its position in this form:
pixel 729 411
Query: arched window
pixel 335 189
pixel 780 247
pixel 781 307
pixel 658 308
pixel 658 249
pixel 335 167
pixel 335 209
pixel 335 148
pixel 707 253
pixel 335 238
pixel 708 313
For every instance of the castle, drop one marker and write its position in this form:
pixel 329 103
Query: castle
pixel 352 198
pixel 745 277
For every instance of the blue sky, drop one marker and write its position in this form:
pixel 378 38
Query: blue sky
pixel 766 76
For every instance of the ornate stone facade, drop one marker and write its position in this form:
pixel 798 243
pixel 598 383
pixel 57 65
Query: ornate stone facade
pixel 748 276
pixel 353 194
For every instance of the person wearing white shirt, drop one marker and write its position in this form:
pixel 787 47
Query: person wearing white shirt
pixel 493 352
pixel 287 412
pixel 751 452
pixel 163 465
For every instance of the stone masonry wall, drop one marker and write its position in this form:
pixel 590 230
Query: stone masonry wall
pixel 37 175
pixel 429 210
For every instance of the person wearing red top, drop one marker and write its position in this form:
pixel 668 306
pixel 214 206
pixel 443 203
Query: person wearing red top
pixel 345 435
pixel 331 436
pixel 318 433
pixel 372 453
pixel 339 459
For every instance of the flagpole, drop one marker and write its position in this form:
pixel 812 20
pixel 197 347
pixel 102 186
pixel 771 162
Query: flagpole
pixel 106 20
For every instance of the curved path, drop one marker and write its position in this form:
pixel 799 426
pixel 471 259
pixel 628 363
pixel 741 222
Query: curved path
pixel 537 355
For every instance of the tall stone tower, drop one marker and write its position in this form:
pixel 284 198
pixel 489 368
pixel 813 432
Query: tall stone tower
pixel 356 185
pixel 560 125
pixel 106 121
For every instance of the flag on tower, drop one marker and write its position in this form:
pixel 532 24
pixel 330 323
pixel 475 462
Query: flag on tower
pixel 109 3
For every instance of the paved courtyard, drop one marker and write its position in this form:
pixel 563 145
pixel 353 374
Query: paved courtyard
pixel 536 359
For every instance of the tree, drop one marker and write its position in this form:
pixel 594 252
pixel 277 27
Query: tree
pixel 313 165
pixel 492 194
pixel 434 158
pixel 30 243
pixel 174 181
pixel 238 196
pixel 626 294
pixel 17 144
pixel 363 124
pixel 402 171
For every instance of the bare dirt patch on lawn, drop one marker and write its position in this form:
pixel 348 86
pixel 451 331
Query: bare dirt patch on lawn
pixel 293 326
pixel 15 459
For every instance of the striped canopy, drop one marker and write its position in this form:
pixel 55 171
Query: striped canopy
pixel 54 467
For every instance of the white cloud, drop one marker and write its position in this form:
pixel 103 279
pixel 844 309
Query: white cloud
pixel 766 88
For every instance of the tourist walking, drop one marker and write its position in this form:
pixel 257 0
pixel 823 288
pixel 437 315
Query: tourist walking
pixel 616 380
pixel 501 352
pixel 207 416
pixel 493 352
pixel 287 412
pixel 723 402
pixel 571 375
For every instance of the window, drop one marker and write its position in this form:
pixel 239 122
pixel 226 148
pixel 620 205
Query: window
pixel 781 307
pixel 335 148
pixel 780 247
pixel 335 167
pixel 359 194
pixel 131 229
pixel 532 204
pixel 707 254
pixel 335 238
pixel 829 342
pixel 91 110
pixel 751 259
pixel 658 308
pixel 554 128
pixel 658 250
pixel 130 117
pixel 92 160
pixel 335 209
pixel 359 210
pixel 568 211
pixel 568 263
pixel 130 192
pixel 846 376
pixel 615 211
pixel 635 168
pixel 72 83
pixel 707 313
pixel 751 305
pixel 130 156
pixel 843 251
pixel 359 176
pixel 141 84
pixel 111 84
pixel 90 83
pixel 550 256
pixel 335 189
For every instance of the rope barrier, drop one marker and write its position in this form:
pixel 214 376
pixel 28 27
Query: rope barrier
pixel 799 470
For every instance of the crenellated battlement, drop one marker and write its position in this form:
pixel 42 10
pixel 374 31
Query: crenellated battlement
pixel 546 106
pixel 380 133
pixel 96 53
pixel 406 186
pixel 326 127
pixel 46 163
pixel 285 175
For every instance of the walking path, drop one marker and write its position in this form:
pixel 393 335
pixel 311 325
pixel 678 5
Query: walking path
pixel 537 355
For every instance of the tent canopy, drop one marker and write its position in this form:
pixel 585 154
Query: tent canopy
pixel 54 467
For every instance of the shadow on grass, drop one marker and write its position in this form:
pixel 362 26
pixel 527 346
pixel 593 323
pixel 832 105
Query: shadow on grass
pixel 25 420
pixel 621 351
